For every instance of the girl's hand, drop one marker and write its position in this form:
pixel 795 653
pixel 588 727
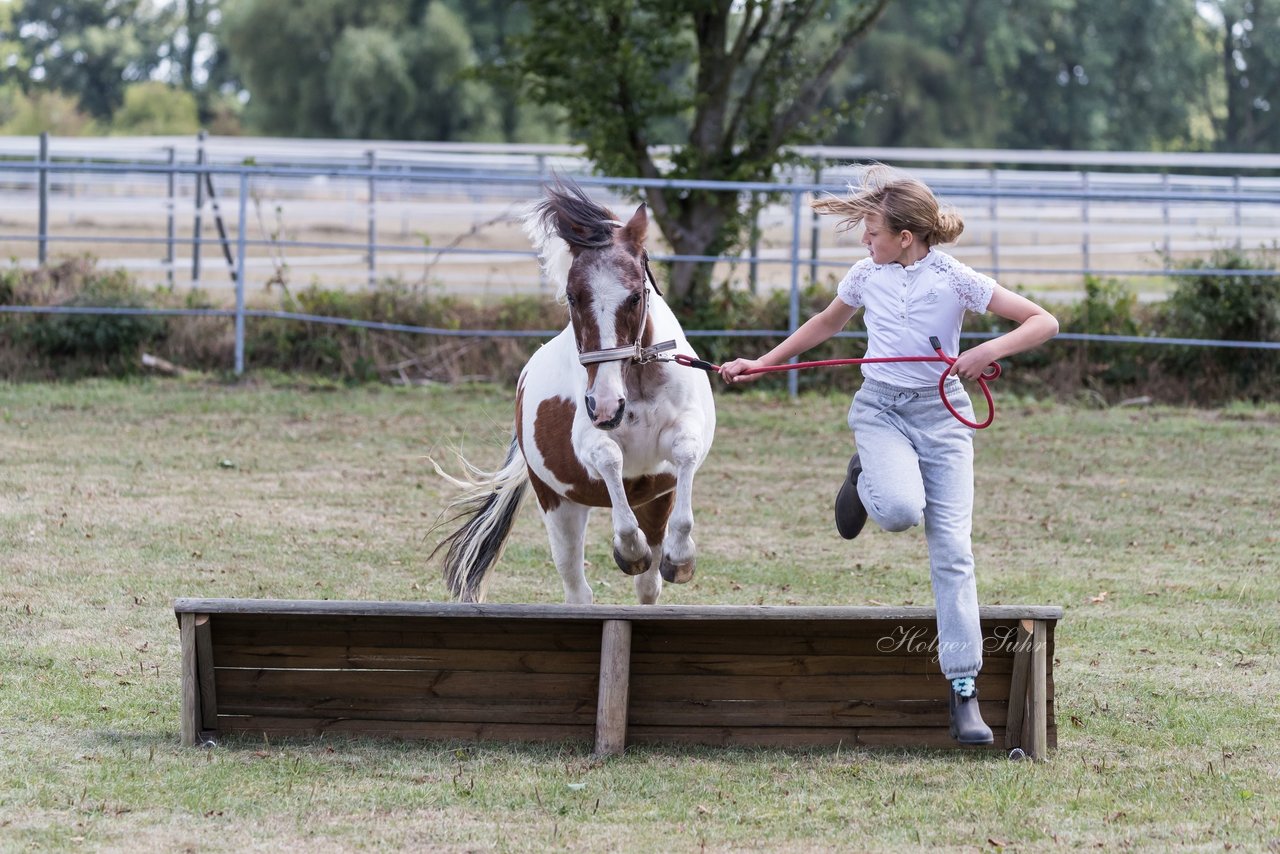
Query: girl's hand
pixel 972 362
pixel 732 372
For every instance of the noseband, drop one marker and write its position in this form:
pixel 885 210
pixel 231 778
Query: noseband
pixel 633 352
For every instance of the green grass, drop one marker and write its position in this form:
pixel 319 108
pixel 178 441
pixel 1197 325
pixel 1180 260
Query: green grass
pixel 1156 529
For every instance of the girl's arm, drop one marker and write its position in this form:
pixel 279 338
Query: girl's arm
pixel 815 330
pixel 1035 326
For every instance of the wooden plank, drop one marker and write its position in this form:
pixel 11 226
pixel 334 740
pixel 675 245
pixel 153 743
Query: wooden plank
pixel 559 661
pixel 259 630
pixel 329 657
pixel 615 674
pixel 1038 714
pixel 866 637
pixel 240 687
pixel 261 638
pixel 1018 687
pixel 443 731
pixel 204 669
pixel 675 687
pixel 598 613
pixel 800 737
pixel 189 720
pixel 728 664
pixel 574 711
pixel 822 714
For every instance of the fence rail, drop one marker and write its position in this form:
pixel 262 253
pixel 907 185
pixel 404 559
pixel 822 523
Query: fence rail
pixel 348 214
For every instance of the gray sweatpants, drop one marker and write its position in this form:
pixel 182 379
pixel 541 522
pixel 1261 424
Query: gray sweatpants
pixel 917 464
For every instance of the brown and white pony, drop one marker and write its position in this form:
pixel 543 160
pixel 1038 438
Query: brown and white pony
pixel 603 418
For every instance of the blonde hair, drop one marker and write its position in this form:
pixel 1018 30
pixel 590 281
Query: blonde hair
pixel 905 203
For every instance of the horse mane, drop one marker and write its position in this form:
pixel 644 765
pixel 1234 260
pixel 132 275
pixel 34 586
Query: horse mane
pixel 565 219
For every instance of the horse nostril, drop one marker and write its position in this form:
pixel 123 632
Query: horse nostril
pixel 591 407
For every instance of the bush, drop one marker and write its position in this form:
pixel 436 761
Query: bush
pixel 1230 307
pixel 83 344
pixel 1208 305
pixel 1109 308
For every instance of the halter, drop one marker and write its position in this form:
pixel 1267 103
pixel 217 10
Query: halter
pixel 633 352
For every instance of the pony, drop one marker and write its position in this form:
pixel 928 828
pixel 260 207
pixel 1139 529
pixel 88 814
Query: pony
pixel 602 417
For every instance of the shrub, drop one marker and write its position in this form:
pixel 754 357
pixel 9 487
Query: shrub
pixel 1109 308
pixel 1207 305
pixel 84 344
pixel 1231 307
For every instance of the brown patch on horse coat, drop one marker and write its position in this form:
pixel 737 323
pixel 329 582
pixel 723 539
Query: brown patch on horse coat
pixel 553 436
pixel 548 500
pixel 652 518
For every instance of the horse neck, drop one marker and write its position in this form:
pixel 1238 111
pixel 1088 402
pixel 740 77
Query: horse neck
pixel 665 324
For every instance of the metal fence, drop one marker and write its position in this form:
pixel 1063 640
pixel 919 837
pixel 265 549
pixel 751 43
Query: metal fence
pixel 245 214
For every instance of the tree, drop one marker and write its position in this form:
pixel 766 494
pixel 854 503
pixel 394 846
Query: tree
pixel 1248 39
pixel 730 84
pixel 450 103
pixel 382 69
pixel 492 24
pixel 1070 74
pixel 369 87
pixel 156 108
pixel 41 112
pixel 931 72
pixel 91 49
pixel 197 62
pixel 1109 75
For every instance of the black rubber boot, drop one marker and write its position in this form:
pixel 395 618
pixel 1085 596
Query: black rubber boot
pixel 850 514
pixel 967 726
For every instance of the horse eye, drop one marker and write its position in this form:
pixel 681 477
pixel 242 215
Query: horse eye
pixel 571 299
pixel 635 299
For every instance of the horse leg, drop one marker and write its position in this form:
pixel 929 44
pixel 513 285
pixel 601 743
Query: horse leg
pixel 678 549
pixel 630 551
pixel 653 521
pixel 567 530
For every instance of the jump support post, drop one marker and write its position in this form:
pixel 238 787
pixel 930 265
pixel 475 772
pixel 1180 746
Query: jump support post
pixel 779 676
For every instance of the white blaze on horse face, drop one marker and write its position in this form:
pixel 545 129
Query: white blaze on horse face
pixel 596 322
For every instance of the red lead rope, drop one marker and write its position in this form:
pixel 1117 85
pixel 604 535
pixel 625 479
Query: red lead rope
pixel 991 372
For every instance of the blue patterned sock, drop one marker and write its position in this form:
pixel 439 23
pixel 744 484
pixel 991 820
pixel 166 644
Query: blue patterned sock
pixel 964 686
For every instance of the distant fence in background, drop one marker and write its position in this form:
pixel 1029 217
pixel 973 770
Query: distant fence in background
pixel 230 212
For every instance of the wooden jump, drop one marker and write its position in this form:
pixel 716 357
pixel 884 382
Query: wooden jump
pixel 777 676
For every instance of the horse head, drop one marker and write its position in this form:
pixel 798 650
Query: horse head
pixel 606 288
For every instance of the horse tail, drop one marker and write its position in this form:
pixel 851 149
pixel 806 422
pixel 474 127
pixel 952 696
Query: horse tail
pixel 488 509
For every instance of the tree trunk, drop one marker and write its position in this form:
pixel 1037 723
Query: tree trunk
pixel 701 224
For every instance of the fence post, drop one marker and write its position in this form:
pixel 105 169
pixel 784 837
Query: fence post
pixel 815 228
pixel 753 275
pixel 1164 215
pixel 995 224
pixel 1238 220
pixel 171 208
pixel 196 229
pixel 372 158
pixel 1084 224
pixel 43 252
pixel 793 318
pixel 240 265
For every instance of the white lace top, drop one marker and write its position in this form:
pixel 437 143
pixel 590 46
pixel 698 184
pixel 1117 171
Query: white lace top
pixel 903 306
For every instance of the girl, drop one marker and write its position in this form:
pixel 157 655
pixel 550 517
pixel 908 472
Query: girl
pixel 914 460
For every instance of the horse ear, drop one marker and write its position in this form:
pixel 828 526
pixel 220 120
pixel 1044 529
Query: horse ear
pixel 634 232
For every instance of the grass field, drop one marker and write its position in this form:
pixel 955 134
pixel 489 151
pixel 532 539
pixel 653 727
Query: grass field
pixel 1156 529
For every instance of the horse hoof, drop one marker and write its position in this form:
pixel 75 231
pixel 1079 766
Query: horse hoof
pixel 676 573
pixel 632 567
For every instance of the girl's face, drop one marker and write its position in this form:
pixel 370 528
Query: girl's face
pixel 887 246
